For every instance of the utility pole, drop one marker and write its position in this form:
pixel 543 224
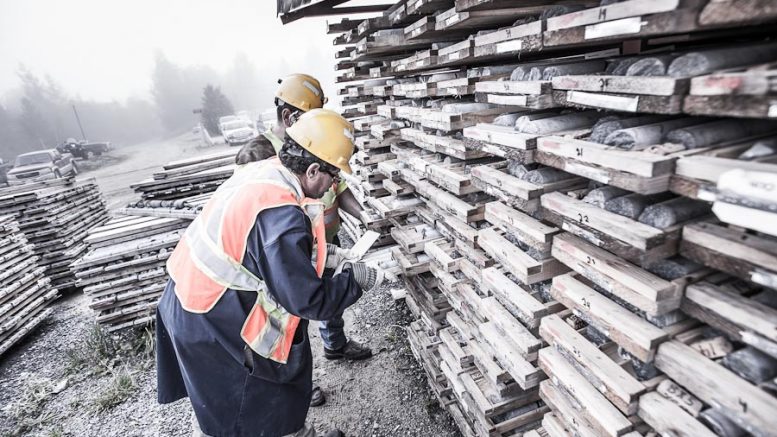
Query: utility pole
pixel 79 122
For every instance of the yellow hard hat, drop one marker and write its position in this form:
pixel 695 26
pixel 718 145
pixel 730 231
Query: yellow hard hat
pixel 325 134
pixel 301 91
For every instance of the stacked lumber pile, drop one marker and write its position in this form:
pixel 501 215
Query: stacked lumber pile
pixel 55 218
pixel 586 233
pixel 124 272
pixel 188 177
pixel 25 291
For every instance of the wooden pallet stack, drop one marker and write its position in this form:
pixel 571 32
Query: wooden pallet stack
pixel 560 189
pixel 25 291
pixel 124 272
pixel 188 177
pixel 55 218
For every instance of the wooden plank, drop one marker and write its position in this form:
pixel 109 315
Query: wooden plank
pixel 732 106
pixel 560 403
pixel 674 21
pixel 527 343
pixel 640 163
pixel 609 378
pixel 632 232
pixel 512 87
pixel 641 103
pixel 610 12
pixel 737 12
pixel 672 392
pixel 639 85
pixel 530 309
pixel 528 229
pixel 633 284
pixel 741 318
pixel 748 256
pixel 502 135
pixel 506 352
pixel 633 333
pixel 524 267
pixel 589 403
pixel 747 405
pixel 667 418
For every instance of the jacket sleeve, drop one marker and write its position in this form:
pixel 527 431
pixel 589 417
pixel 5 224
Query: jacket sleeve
pixel 280 248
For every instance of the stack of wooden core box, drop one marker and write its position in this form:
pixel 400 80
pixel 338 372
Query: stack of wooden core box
pixel 583 200
pixel 25 291
pixel 123 272
pixel 55 217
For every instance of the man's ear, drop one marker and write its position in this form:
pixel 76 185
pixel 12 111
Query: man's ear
pixel 286 117
pixel 313 170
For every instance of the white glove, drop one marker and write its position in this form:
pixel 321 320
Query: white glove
pixel 369 277
pixel 335 256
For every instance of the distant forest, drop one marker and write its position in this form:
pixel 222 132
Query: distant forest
pixel 39 114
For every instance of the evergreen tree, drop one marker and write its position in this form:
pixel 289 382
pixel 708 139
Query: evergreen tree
pixel 214 105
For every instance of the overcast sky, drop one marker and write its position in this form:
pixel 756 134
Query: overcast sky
pixel 104 49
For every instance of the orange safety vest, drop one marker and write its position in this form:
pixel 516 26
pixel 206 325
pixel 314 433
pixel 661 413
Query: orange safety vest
pixel 209 258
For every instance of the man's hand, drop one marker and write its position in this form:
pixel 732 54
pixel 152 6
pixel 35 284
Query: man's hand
pixel 336 256
pixel 367 276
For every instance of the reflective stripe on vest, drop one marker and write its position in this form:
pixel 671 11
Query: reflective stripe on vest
pixel 208 259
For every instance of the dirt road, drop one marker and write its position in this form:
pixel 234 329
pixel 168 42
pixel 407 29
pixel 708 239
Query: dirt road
pixel 68 379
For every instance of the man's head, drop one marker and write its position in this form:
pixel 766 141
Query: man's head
pixel 316 148
pixel 296 94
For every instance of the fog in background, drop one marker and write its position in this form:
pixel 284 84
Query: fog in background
pixel 136 69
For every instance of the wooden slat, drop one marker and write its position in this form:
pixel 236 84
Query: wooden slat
pixel 749 406
pixel 667 418
pixel 636 335
pixel 633 284
pixel 609 378
pixel 741 318
pixel 592 405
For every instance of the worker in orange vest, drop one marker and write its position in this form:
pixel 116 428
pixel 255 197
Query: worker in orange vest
pixel 295 95
pixel 232 321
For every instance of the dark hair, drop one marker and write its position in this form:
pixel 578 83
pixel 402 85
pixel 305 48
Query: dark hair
pixel 280 105
pixel 297 159
pixel 260 148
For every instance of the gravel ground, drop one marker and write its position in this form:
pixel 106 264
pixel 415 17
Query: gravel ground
pixel 68 379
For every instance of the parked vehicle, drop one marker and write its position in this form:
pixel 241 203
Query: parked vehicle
pixel 238 132
pixel 41 165
pixel 227 119
pixel 83 149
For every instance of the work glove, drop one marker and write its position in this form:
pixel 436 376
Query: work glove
pixel 336 256
pixel 367 276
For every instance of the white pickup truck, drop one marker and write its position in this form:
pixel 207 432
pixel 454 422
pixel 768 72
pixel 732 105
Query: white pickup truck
pixel 41 165
pixel 238 132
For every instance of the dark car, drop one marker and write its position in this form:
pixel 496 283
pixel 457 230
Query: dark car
pixel 83 149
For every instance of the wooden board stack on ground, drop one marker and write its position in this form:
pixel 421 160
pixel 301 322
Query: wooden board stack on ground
pixel 124 272
pixel 566 212
pixel 55 218
pixel 25 291
pixel 188 177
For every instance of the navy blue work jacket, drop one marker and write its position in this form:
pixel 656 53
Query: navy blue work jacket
pixel 202 356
